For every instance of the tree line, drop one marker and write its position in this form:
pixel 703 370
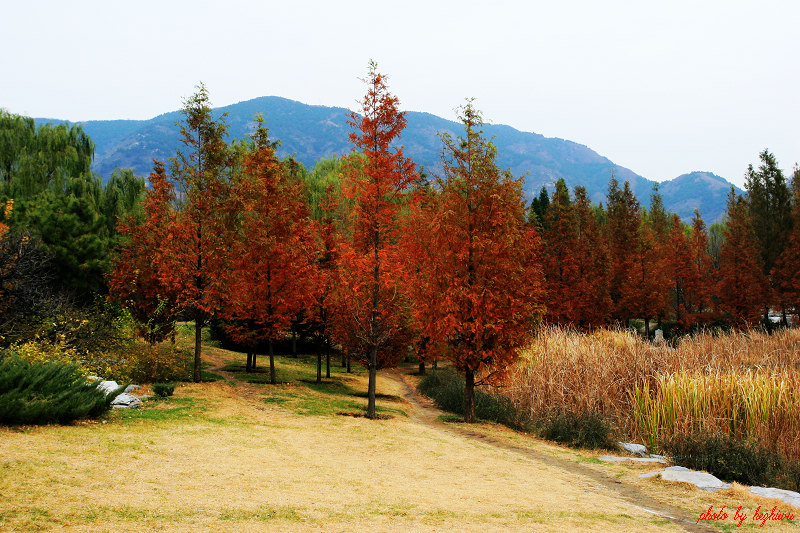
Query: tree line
pixel 370 254
pixel 622 261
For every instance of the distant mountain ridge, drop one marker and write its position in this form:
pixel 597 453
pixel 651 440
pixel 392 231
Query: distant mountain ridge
pixel 312 132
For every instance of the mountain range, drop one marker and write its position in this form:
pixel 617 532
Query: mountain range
pixel 312 132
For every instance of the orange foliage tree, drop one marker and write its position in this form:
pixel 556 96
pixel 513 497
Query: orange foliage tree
pixel 593 306
pixel 575 261
pixel 650 291
pixel 321 316
pixel 622 230
pixel 416 248
pixel 371 312
pixel 786 272
pixel 136 279
pixel 680 269
pixel 482 268
pixel 194 253
pixel 560 264
pixel 742 288
pixel 274 250
pixel 699 282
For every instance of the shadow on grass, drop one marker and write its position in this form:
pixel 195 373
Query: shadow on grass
pixel 296 375
pixel 379 396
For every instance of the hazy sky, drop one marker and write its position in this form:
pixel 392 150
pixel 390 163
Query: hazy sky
pixel 661 88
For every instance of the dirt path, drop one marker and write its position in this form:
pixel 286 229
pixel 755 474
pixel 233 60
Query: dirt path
pixel 424 411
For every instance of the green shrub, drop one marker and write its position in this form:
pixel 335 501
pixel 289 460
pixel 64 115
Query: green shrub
pixel 163 389
pixel 47 392
pixel 734 460
pixel 446 388
pixel 588 430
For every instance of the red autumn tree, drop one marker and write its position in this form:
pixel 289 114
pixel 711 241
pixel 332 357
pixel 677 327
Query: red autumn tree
pixel 194 253
pixel 136 279
pixel 575 261
pixel 483 268
pixel 699 282
pixel 742 286
pixel 321 315
pixel 680 270
pixel 593 303
pixel 638 281
pixel 560 265
pixel 786 273
pixel 274 250
pixel 648 296
pixel 418 250
pixel 622 231
pixel 655 284
pixel 372 314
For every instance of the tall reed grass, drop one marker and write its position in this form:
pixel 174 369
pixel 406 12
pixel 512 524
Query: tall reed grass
pixel 743 384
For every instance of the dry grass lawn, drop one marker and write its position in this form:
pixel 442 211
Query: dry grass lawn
pixel 236 456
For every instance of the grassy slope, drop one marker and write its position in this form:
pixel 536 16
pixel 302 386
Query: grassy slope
pixel 237 456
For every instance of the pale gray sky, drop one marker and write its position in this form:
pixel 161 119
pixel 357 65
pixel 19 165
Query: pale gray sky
pixel 662 89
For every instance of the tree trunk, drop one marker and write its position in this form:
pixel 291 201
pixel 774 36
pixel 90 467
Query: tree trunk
pixel 253 366
pixel 421 367
pixel 271 364
pixel 249 365
pixel 373 376
pixel 435 364
pixel 294 343
pixel 198 350
pixel 647 327
pixel 469 395
pixel 348 364
pixel 344 360
pixel 319 364
pixel 327 359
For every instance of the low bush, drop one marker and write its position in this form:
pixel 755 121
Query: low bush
pixel 47 392
pixel 588 430
pixel 139 362
pixel 446 388
pixel 734 460
pixel 132 361
pixel 163 389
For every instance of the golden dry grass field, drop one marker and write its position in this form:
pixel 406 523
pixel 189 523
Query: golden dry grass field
pixel 238 456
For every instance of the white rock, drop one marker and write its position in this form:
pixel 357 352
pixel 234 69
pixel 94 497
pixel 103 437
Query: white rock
pixel 126 401
pixel 131 388
pixel 108 386
pixel 787 496
pixel 701 480
pixel 635 449
pixel 615 459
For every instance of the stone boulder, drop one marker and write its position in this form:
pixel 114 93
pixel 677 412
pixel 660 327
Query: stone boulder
pixel 126 401
pixel 635 449
pixel 786 496
pixel 701 480
pixel 108 386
